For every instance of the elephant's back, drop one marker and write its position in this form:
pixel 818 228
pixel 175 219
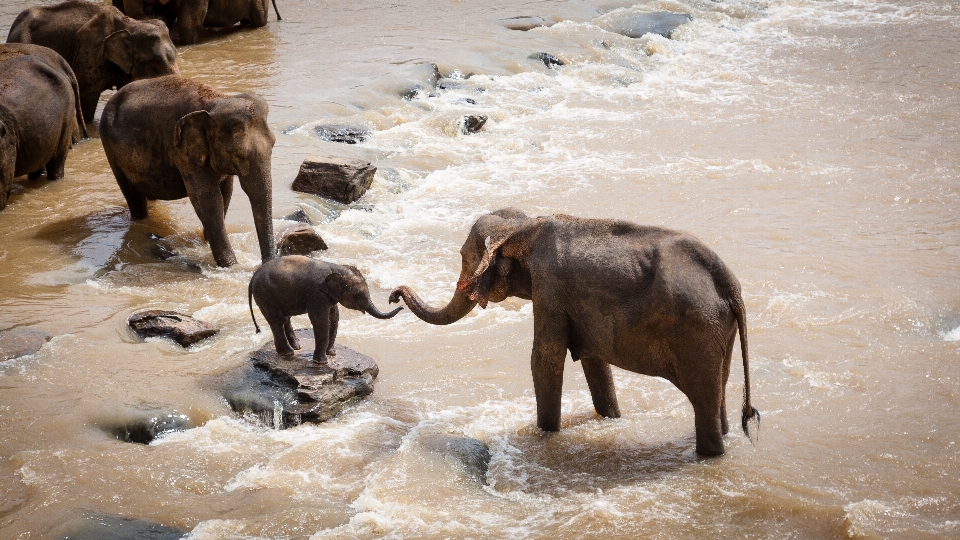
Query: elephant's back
pixel 53 26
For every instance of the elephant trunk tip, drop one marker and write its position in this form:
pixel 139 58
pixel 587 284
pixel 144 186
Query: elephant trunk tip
pixel 380 315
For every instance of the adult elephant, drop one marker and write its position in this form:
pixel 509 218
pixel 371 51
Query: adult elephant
pixel 645 299
pixel 170 137
pixel 38 120
pixel 189 16
pixel 9 51
pixel 105 48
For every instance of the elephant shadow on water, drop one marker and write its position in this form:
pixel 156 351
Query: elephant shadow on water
pixel 108 240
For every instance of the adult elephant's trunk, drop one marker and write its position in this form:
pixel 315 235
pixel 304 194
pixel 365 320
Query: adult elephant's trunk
pixel 459 306
pixel 258 185
pixel 372 310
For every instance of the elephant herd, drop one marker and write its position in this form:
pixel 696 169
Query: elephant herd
pixel 612 293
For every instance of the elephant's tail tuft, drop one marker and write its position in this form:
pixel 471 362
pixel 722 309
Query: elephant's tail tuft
pixel 749 412
pixel 250 301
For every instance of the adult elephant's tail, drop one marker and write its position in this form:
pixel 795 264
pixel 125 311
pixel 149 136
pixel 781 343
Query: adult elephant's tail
pixel 254 317
pixel 748 411
pixel 279 18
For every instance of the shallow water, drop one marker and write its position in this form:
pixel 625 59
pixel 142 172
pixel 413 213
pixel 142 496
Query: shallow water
pixel 811 144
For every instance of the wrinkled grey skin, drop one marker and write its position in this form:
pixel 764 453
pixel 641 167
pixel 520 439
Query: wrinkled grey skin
pixel 190 15
pixel 645 299
pixel 9 51
pixel 294 285
pixel 105 48
pixel 38 120
pixel 170 137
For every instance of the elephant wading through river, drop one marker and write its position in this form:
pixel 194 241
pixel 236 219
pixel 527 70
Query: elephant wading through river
pixel 645 299
pixel 169 138
pixel 188 16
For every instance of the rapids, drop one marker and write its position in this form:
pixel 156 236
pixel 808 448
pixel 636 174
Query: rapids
pixel 813 144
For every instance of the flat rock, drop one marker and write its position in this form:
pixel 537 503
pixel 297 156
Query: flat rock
pixel 320 390
pixel 342 179
pixel 18 342
pixel 342 133
pixel 183 329
pixel 524 23
pixel 300 239
pixel 635 25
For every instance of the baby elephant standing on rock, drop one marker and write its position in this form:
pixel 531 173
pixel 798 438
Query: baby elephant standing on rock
pixel 294 285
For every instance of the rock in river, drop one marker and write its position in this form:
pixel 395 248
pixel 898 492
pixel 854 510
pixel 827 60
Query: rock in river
pixel 183 329
pixel 300 239
pixel 286 391
pixel 341 179
pixel 636 25
pixel 18 342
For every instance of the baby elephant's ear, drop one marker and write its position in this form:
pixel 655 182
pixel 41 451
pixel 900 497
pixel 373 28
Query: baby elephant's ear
pixel 333 285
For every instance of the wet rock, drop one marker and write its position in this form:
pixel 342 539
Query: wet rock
pixel 473 123
pixel 297 389
pixel 107 527
pixel 298 215
pixel 183 329
pixel 548 59
pixel 636 25
pixel 300 239
pixel 342 179
pixel 18 342
pixel 342 133
pixel 466 101
pixel 145 429
pixel 524 23
pixel 472 455
pixel 424 77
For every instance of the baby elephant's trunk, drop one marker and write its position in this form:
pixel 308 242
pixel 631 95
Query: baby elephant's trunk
pixel 250 300
pixel 372 310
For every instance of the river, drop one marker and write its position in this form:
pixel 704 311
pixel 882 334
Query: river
pixel 812 144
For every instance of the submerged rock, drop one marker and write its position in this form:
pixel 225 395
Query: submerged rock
pixel 342 179
pixel 470 454
pixel 285 391
pixel 548 59
pixel 107 527
pixel 524 23
pixel 18 342
pixel 635 25
pixel 300 239
pixel 183 329
pixel 298 215
pixel 343 133
pixel 473 123
pixel 424 78
pixel 145 429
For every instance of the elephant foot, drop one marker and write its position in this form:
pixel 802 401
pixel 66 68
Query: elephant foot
pixel 285 352
pixel 319 359
pixel 331 352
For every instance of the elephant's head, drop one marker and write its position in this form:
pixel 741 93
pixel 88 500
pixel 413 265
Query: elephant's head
pixel 350 289
pixel 231 137
pixel 492 267
pixel 137 49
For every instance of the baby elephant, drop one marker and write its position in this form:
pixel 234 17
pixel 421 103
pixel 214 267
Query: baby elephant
pixel 294 285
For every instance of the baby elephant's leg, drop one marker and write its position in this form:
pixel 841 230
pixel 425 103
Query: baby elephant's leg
pixel 334 324
pixel 278 324
pixel 291 336
pixel 320 319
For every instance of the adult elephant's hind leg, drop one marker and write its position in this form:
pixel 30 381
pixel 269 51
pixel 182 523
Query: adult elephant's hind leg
pixel 602 389
pixel 706 410
pixel 136 202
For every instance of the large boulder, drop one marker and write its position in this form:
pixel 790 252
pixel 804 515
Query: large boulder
pixel 183 329
pixel 300 239
pixel 286 391
pixel 18 342
pixel 635 25
pixel 342 179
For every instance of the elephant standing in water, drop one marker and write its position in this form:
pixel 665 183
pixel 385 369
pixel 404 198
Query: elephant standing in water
pixel 170 137
pixel 189 16
pixel 645 299
pixel 294 285
pixel 39 118
pixel 105 48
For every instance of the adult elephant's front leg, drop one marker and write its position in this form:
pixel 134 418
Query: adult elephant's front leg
pixel 546 363
pixel 600 381
pixel 207 201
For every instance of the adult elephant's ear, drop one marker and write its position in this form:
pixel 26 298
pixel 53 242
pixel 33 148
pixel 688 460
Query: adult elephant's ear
pixel 495 235
pixel 116 48
pixel 190 137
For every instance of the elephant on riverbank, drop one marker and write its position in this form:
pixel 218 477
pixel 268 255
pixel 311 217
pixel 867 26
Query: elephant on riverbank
pixel 294 285
pixel 105 48
pixel 38 119
pixel 645 299
pixel 170 137
pixel 189 16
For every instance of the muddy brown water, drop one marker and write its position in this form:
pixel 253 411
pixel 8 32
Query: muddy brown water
pixel 812 144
